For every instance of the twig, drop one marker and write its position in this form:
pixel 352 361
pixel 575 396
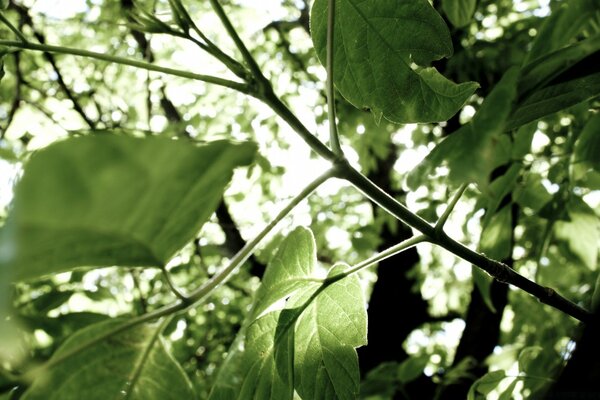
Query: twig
pixel 241 87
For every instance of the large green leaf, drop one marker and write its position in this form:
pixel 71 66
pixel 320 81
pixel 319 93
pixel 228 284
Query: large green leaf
pixel 381 47
pixel 114 200
pixel 459 12
pixel 132 364
pixel 565 24
pixel 477 148
pixel 301 332
pixel 554 98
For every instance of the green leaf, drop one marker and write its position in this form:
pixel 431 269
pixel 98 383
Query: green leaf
pixel 507 394
pixel 382 50
pixel 132 364
pixel 325 361
pixel 3 4
pixel 587 147
pixel 541 71
pixel 300 331
pixel 555 98
pixel 531 193
pixel 581 233
pixel 565 24
pixel 527 356
pixel 411 368
pixel 496 237
pixel 115 200
pixel 486 384
pixel 250 370
pixel 476 149
pixel 483 283
pixel 459 12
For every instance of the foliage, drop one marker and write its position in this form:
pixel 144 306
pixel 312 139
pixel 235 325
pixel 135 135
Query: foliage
pixel 152 147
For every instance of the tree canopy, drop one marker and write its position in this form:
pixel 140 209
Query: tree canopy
pixel 328 199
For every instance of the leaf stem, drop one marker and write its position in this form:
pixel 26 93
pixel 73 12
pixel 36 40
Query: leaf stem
pixel 241 87
pixel 439 226
pixel 247 250
pixel 10 26
pixel 334 138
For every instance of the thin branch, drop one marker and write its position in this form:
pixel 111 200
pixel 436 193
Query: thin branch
pixel 254 68
pixel 248 249
pixel 392 251
pixel 10 26
pixel 334 138
pixel 496 269
pixel 27 20
pixel 439 226
pixel 240 87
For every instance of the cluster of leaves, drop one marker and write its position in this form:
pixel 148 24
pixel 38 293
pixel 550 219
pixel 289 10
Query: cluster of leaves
pixel 119 196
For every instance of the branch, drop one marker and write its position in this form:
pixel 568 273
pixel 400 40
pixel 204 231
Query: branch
pixel 392 251
pixel 248 249
pixel 439 226
pixel 496 269
pixel 240 87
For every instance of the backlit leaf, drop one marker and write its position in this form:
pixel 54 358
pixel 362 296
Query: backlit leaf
pixel 382 52
pixel 113 200
pixel 302 333
pixel 565 24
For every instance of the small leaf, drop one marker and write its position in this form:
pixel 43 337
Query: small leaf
pixel 377 44
pixel 554 98
pixel 476 149
pixel 113 200
pixel 486 384
pixel 133 364
pixel 483 283
pixel 4 4
pixel 411 368
pixel 507 394
pixel 459 12
pixel 587 147
pixel 582 232
pixel 531 193
pixel 496 237
pixel 527 355
pixel 565 24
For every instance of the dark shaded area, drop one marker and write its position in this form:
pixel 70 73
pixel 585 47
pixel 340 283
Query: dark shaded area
pixel 580 379
pixel 395 296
